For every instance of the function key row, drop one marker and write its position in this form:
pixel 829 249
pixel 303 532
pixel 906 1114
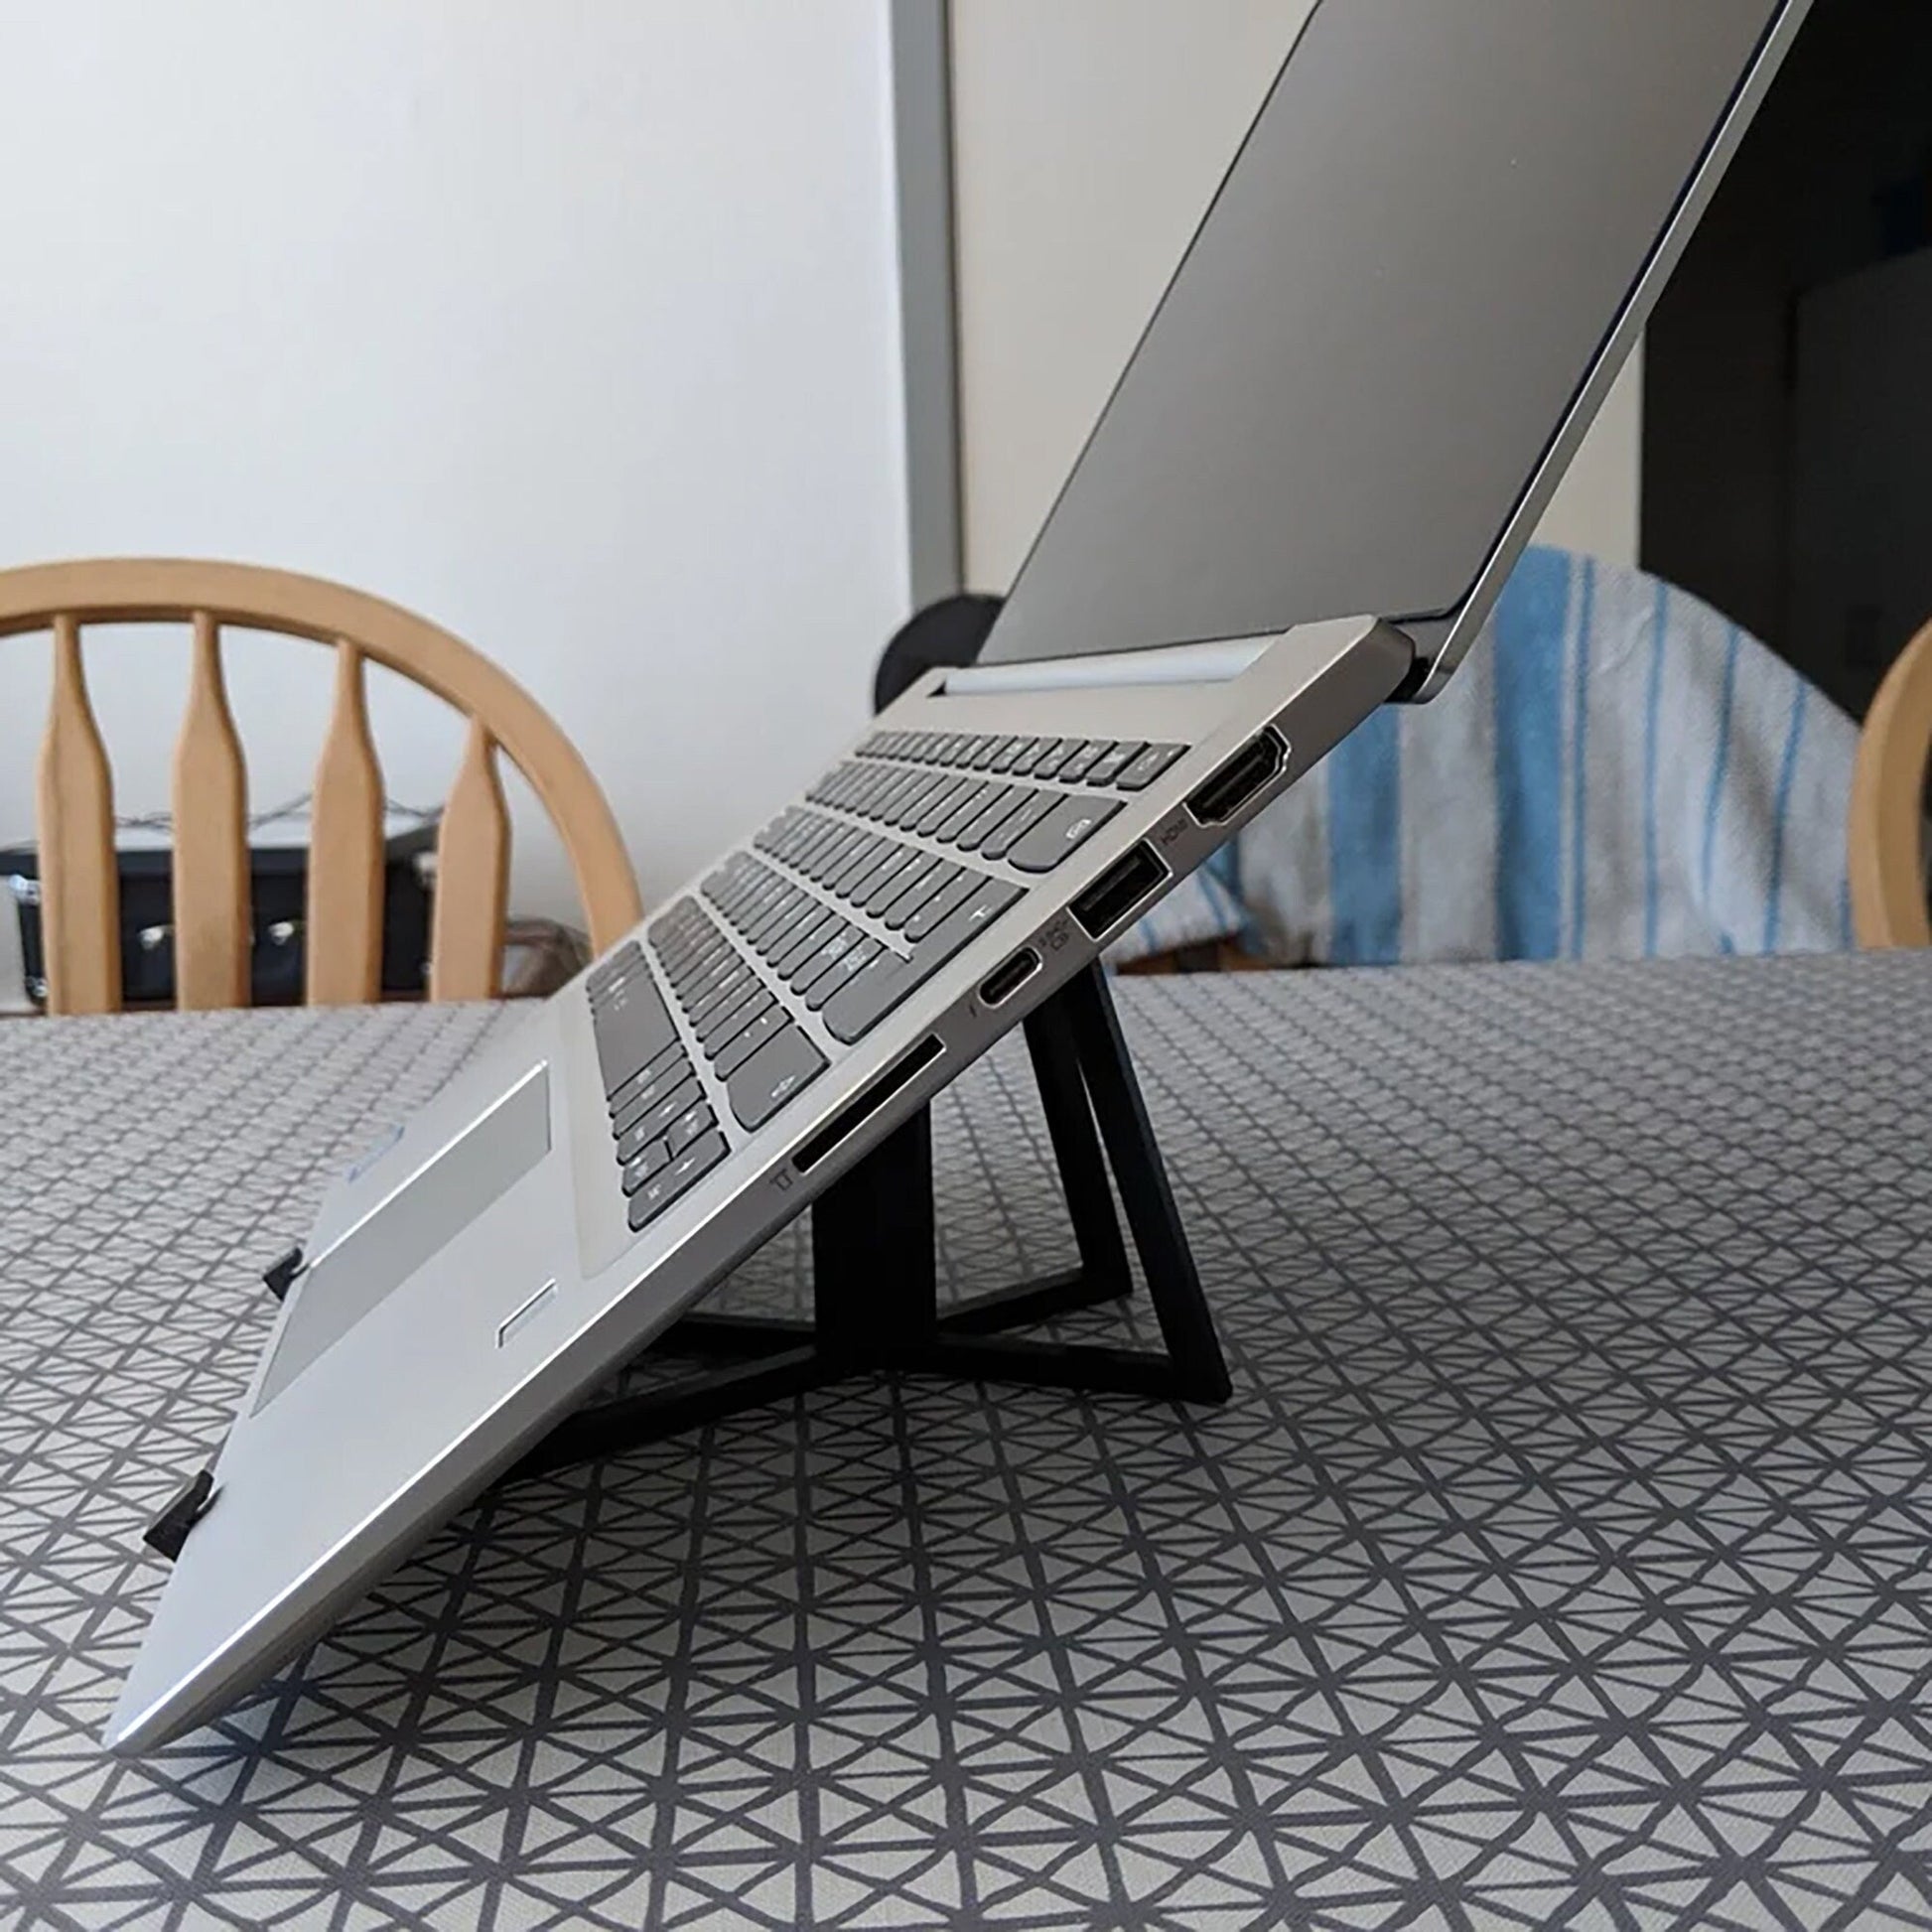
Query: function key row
pixel 1123 764
pixel 666 1138
pixel 747 1036
pixel 1033 830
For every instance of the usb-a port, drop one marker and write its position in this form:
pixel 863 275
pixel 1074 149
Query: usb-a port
pixel 1124 886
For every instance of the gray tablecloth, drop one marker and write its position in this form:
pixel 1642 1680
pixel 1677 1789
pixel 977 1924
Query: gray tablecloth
pixel 1562 1559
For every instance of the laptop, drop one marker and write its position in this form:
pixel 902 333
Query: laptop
pixel 1436 246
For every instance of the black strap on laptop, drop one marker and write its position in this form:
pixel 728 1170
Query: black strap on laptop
pixel 875 1271
pixel 279 1276
pixel 168 1533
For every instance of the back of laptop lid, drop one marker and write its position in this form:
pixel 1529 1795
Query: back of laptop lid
pixel 1403 285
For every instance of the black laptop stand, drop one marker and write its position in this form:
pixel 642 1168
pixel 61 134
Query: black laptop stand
pixel 875 1271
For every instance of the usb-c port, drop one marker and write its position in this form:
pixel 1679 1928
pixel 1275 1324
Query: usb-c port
pixel 1005 981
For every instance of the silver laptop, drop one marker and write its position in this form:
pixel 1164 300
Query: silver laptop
pixel 1431 255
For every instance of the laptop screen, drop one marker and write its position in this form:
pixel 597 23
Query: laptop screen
pixel 1379 327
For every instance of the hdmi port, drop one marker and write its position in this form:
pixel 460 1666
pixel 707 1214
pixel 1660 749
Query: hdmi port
pixel 1258 762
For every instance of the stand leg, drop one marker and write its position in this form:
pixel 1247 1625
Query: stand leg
pixel 875 1265
pixel 1064 1095
pixel 874 1268
pixel 1173 1282
pixel 611 1427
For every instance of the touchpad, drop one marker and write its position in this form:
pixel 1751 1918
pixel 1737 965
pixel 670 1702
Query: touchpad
pixel 429 1208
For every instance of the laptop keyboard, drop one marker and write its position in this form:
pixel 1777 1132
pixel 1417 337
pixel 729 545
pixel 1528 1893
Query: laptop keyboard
pixel 848 977
pixel 1126 767
pixel 887 915
pixel 667 1138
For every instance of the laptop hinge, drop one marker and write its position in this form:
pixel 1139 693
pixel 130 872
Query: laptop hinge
pixel 1422 662
pixel 1424 638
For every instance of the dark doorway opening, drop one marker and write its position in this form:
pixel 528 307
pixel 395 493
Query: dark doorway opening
pixel 1787 437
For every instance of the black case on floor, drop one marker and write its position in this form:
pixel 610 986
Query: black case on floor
pixel 278 884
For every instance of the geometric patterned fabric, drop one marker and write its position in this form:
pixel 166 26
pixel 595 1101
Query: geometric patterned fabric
pixel 1563 1557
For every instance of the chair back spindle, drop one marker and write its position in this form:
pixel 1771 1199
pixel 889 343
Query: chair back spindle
pixel 342 929
pixel 80 884
pixel 211 911
pixel 473 873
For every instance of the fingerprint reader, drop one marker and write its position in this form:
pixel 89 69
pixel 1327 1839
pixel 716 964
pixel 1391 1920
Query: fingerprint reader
pixel 515 1324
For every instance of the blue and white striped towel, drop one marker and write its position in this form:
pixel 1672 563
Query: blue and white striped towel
pixel 1617 771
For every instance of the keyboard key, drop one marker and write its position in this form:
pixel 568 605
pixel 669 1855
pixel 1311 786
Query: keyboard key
pixel 918 797
pixel 858 878
pixel 606 990
pixel 673 1055
pixel 630 1029
pixel 1056 755
pixel 954 894
pixel 682 1174
pixel 749 1041
pixel 1144 769
pixel 674 1071
pixel 826 984
pixel 1065 829
pixel 728 1025
pixel 964 923
pixel 926 872
pixel 653 1160
pixel 658 1120
pixel 688 1125
pixel 874 993
pixel 934 804
pixel 893 878
pixel 906 787
pixel 1006 835
pixel 1112 762
pixel 963 814
pixel 804 942
pixel 1082 760
pixel 627 956
pixel 785 1064
pixel 862 1003
pixel 824 956
pixel 720 994
pixel 990 817
pixel 916 895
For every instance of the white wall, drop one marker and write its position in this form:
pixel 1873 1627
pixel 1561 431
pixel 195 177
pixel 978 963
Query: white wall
pixel 572 325
pixel 1089 137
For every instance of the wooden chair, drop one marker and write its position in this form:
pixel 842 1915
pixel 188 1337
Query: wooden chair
pixel 79 897
pixel 1888 857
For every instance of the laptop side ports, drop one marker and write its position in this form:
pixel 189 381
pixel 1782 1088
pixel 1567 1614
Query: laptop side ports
pixel 1005 981
pixel 1130 879
pixel 1259 763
